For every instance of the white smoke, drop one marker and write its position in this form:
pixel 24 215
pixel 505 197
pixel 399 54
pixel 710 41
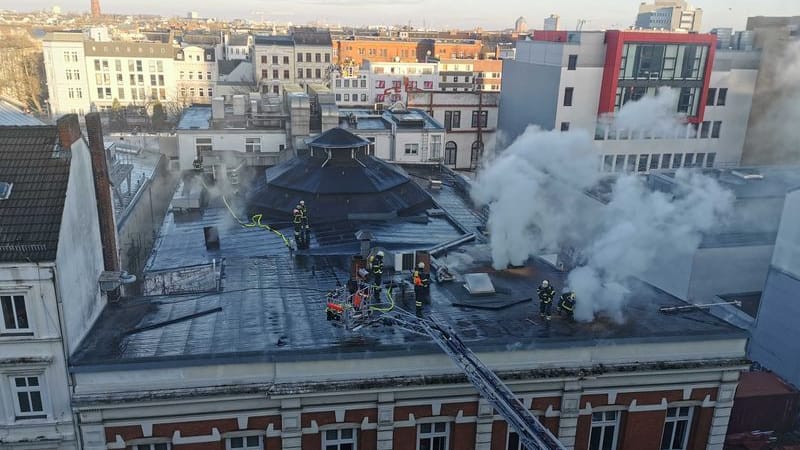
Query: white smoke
pixel 535 190
pixel 777 103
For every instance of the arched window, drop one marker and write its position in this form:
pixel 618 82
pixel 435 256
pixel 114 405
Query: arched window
pixel 450 152
pixel 476 154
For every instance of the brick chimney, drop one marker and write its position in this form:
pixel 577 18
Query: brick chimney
pixel 102 188
pixel 69 130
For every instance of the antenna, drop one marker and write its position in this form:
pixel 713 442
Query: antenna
pixel 581 23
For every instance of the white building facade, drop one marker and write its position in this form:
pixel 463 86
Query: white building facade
pixel 383 83
pixel 470 122
pixel 49 291
pixel 84 76
pixel 570 81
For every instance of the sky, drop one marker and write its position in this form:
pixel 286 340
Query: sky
pixel 440 14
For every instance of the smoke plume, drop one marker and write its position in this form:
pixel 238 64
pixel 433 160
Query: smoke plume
pixel 776 104
pixel 536 193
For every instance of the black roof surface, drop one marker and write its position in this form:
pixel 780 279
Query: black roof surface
pixel 272 303
pixel 338 138
pixel 312 38
pixel 261 39
pixel 30 219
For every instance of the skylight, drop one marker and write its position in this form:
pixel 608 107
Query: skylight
pixel 5 190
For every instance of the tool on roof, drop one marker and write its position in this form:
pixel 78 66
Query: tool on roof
pixel 690 308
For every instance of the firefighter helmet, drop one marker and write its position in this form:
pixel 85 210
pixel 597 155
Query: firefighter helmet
pixel 421 265
pixel 545 283
pixel 380 253
pixel 302 203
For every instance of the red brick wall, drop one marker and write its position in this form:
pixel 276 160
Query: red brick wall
pixel 405 437
pixel 643 430
pixel 127 432
pixel 463 436
pixel 312 440
pixel 368 439
pixel 196 428
pixel 402 412
pixel 499 434
pixel 701 428
pixel 207 446
pixel 582 432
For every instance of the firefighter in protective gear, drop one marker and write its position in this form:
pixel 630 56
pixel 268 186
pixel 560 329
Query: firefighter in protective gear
pixel 376 265
pixel 297 221
pixel 566 304
pixel 422 285
pixel 304 220
pixel 546 294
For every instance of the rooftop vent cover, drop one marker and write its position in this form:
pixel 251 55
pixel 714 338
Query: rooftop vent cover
pixel 5 190
pixel 478 284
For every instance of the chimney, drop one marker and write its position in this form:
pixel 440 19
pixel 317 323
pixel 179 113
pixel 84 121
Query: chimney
pixel 69 130
pixel 218 108
pixel 238 105
pixel 102 188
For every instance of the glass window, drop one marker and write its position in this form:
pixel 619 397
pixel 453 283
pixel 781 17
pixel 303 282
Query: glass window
pixel 568 96
pixel 433 436
pixel 699 159
pixel 654 160
pixel 630 165
pixel 15 314
pixel 666 160
pixel 411 149
pixel 252 145
pixel 619 163
pixel 710 158
pixel 452 119
pixel 676 160
pixel 299 57
pixel 564 126
pixel 450 153
pixel 274 59
pixel 513 441
pixel 643 163
pixel 705 129
pixel 712 95
pixel 476 153
pixel 160 446
pixel 676 428
pixel 716 128
pixel 608 163
pixel 603 434
pixel 344 439
pixel 27 392
pixel 203 145
pixel 688 160
pixel 286 60
pixel 480 119
pixel 722 97
pixel 572 64
pixel 244 443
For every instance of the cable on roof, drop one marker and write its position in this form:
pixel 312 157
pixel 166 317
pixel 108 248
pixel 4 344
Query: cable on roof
pixel 255 221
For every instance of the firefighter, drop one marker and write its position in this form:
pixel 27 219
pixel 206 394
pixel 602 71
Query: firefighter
pixel 422 284
pixel 297 221
pixel 376 264
pixel 546 294
pixel 566 304
pixel 304 220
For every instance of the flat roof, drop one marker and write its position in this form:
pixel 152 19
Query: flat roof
pixel 367 119
pixel 195 118
pixel 271 306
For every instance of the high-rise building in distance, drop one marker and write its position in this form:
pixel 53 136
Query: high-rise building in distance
pixel 670 15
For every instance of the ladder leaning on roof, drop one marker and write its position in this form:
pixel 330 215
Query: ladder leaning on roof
pixel 532 434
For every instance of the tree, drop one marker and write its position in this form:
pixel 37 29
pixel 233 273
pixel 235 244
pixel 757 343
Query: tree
pixel 159 117
pixel 117 116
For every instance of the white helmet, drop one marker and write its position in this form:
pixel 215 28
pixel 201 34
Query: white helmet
pixel 545 283
pixel 421 265
pixel 302 202
pixel 380 253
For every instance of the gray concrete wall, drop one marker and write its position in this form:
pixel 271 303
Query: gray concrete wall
pixel 138 226
pixel 728 270
pixel 787 246
pixel 79 258
pixel 527 98
pixel 775 340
